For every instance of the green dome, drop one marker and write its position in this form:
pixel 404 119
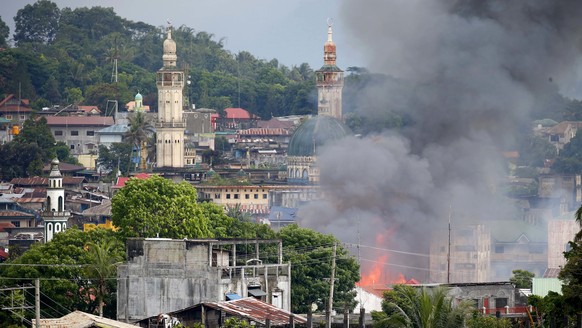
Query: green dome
pixel 314 133
pixel 138 96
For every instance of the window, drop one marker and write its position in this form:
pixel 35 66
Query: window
pixel 16 223
pixel 22 117
pixel 58 133
pixel 216 196
pixel 499 249
pixel 90 133
pixel 227 196
pixel 8 117
pixel 264 196
pixel 256 196
pixel 74 133
pixel 72 147
pixel 500 302
pixel 236 196
pixel 247 196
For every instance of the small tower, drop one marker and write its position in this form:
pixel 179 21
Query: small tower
pixel 170 124
pixel 329 80
pixel 55 215
pixel 138 102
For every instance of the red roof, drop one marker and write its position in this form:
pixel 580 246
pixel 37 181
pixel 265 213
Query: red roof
pixel 122 180
pixel 11 104
pixel 79 120
pixel 237 113
pixel 3 254
pixel 4 225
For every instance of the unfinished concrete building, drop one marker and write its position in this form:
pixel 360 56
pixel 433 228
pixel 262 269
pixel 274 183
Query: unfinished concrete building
pixel 166 275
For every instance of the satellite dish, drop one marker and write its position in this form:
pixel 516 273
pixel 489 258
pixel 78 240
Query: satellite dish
pixel 313 307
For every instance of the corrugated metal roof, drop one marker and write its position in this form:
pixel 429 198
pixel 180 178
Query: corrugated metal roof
pixel 256 310
pixel 41 181
pixel 15 214
pixel 542 286
pixel 79 120
pixel 264 132
pixel 80 319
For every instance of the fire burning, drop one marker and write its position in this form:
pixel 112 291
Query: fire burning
pixel 377 272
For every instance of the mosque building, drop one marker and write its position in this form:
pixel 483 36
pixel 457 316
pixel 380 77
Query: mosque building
pixel 324 128
pixel 170 124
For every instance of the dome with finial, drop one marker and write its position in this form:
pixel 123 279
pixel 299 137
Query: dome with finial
pixel 138 96
pixel 55 172
pixel 210 173
pixel 314 133
pixel 169 57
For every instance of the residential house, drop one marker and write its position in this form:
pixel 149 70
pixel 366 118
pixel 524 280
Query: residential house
pixel 234 119
pixel 82 319
pixel 214 314
pixel 165 275
pixel 78 132
pixel 561 230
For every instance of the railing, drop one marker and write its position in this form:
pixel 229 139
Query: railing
pixel 507 310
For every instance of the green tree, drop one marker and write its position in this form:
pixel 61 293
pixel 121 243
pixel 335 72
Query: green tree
pixel 486 321
pixel 522 278
pixel 104 256
pixel 159 207
pixel 569 160
pixel 37 23
pixel 310 254
pixel 138 135
pixel 4 34
pixel 61 266
pixel 571 276
pixel 37 132
pixel 407 306
pixel 114 159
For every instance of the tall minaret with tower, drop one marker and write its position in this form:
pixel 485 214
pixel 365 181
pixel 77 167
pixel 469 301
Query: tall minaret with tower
pixel 330 80
pixel 170 124
pixel 55 215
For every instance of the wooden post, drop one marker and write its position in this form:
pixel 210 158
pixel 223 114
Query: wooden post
pixel 309 318
pixel 362 323
pixel 291 321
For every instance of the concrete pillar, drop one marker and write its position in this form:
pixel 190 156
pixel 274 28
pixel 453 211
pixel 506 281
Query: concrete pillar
pixel 309 319
pixel 362 322
pixel 291 321
pixel 346 318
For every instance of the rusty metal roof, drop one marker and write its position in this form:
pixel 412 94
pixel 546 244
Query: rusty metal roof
pixel 15 214
pixel 256 310
pixel 80 319
pixel 41 181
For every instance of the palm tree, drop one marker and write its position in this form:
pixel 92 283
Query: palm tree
pixel 138 134
pixel 578 217
pixel 406 306
pixel 103 267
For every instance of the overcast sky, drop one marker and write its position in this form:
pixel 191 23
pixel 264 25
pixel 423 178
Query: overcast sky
pixel 291 31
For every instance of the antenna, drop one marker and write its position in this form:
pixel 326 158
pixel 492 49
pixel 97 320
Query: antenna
pixel 449 251
pixel 114 70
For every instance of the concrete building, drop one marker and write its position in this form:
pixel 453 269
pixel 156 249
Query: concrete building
pixel 15 111
pixel 561 230
pixel 164 275
pixel 470 250
pixel 78 132
pixel 170 124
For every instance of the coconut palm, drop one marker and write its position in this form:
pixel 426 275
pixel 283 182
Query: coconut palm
pixel 138 134
pixel 103 267
pixel 407 306
pixel 578 217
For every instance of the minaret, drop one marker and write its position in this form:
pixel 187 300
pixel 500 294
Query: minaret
pixel 330 80
pixel 55 216
pixel 170 124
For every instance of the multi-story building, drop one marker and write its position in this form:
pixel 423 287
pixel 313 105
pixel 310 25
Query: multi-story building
pixel 561 230
pixel 164 275
pixel 78 132
pixel 15 111
pixel 469 257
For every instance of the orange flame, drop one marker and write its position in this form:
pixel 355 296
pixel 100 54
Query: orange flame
pixel 378 273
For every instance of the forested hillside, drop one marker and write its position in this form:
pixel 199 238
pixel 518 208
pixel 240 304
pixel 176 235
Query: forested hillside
pixel 62 56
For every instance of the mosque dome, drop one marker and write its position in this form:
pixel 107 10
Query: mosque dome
pixel 138 96
pixel 314 133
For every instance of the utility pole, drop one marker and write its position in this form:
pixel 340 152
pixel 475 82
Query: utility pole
pixel 331 283
pixel 449 250
pixel 37 301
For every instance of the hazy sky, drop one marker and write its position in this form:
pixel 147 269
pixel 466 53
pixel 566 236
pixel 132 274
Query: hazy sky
pixel 291 31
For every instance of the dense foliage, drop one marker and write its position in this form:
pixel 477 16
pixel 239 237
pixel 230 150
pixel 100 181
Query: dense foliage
pixel 66 268
pixel 407 306
pixel 65 56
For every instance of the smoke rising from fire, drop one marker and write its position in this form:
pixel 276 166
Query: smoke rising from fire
pixel 473 71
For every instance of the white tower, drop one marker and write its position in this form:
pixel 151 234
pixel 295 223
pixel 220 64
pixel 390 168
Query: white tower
pixel 170 124
pixel 330 81
pixel 55 216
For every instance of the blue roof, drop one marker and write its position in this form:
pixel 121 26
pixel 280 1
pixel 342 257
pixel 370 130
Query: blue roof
pixel 283 214
pixel 114 129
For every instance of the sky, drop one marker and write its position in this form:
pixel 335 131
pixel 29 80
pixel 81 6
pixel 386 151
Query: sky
pixel 291 31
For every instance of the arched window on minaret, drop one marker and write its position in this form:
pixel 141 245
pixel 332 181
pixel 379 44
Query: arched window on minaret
pixel 48 203
pixel 60 203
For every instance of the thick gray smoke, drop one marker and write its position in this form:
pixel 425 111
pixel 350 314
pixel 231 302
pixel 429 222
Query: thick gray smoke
pixel 474 69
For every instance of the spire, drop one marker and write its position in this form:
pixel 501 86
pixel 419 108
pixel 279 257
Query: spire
pixel 329 53
pixel 169 56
